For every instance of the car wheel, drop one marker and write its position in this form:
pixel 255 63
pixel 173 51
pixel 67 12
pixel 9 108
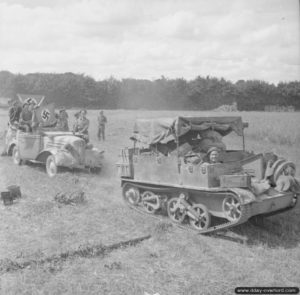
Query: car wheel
pixel 51 167
pixel 16 156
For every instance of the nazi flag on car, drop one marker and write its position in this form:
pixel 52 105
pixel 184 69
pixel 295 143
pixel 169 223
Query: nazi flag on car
pixel 46 114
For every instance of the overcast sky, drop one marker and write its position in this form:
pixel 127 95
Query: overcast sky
pixel 234 39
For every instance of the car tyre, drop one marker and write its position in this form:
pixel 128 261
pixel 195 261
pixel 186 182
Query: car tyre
pixel 51 166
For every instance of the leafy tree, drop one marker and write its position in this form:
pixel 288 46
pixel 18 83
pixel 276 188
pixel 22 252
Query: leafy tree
pixel 201 93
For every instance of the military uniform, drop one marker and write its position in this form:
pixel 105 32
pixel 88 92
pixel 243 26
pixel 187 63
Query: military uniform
pixel 14 113
pixel 82 126
pixel 102 120
pixel 26 116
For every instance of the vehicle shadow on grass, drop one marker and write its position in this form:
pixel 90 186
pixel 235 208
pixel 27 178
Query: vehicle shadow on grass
pixel 280 230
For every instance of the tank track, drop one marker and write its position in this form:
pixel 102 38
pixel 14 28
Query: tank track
pixel 245 211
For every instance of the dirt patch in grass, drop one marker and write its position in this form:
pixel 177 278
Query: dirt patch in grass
pixel 86 251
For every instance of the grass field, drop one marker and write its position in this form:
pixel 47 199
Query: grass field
pixel 47 248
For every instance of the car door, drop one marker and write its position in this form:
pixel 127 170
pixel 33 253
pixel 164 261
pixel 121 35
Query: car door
pixel 29 145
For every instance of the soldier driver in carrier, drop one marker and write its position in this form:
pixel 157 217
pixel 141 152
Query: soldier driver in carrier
pixel 102 120
pixel 213 155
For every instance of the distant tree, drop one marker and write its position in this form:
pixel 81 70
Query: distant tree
pixel 201 93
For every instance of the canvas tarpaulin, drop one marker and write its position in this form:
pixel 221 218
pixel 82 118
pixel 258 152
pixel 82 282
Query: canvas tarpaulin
pixel 152 131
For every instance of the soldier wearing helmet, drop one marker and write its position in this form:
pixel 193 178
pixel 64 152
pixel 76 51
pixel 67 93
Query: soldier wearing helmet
pixel 213 155
pixel 82 125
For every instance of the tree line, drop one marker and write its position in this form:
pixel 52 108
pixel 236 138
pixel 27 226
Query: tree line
pixel 202 93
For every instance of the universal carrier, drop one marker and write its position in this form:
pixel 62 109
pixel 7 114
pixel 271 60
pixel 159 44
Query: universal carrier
pixel 159 174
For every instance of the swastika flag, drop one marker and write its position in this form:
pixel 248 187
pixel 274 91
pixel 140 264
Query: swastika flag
pixel 46 114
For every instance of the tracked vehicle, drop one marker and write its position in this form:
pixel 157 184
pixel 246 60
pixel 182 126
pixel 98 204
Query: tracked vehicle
pixel 166 173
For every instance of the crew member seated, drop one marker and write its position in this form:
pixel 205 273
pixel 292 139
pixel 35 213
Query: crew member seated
pixel 14 113
pixel 213 156
pixel 26 116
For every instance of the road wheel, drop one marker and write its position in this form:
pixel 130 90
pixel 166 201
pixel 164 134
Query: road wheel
pixel 232 208
pixel 176 211
pixel 51 167
pixel 203 222
pixel 16 156
pixel 150 202
pixel 131 194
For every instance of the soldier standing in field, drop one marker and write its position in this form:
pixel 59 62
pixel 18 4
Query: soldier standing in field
pixel 102 120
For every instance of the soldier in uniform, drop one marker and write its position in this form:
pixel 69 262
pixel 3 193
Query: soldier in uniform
pixel 26 116
pixel 62 120
pixel 14 113
pixel 102 120
pixel 82 125
pixel 213 155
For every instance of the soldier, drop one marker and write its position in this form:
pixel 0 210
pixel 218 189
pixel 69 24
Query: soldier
pixel 62 120
pixel 26 116
pixel 14 113
pixel 102 120
pixel 13 122
pixel 82 125
pixel 64 113
pixel 213 155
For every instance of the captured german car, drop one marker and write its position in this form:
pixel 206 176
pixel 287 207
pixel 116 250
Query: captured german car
pixel 56 149
pixel 43 141
pixel 182 168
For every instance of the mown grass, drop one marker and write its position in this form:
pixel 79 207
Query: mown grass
pixel 172 261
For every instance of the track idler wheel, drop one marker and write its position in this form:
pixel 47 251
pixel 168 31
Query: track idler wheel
pixel 150 202
pixel 232 208
pixel 202 221
pixel 176 210
pixel 131 194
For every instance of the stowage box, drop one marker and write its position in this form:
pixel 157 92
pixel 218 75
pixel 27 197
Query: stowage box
pixel 235 180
